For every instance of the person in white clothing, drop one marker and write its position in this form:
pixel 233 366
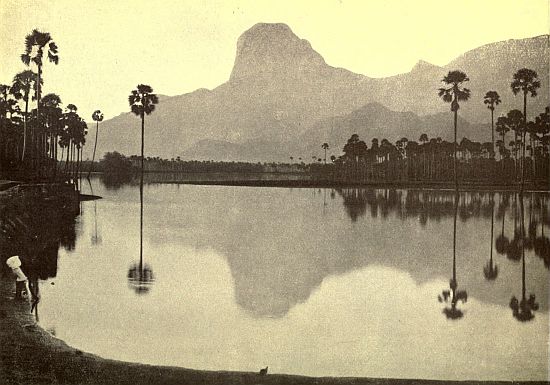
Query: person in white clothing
pixel 21 281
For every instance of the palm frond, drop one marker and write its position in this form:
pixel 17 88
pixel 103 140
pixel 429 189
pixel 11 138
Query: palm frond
pixel 144 89
pixel 29 43
pixel 26 59
pixel 53 58
pixel 136 109
pixel 455 77
pixel 463 95
pixel 53 48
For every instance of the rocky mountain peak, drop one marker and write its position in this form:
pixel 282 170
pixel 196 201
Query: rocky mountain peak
pixel 270 49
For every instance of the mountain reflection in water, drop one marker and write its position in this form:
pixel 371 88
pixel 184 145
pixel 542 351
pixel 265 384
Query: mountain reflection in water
pixel 230 261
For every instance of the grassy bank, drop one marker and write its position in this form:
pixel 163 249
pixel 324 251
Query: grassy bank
pixel 29 355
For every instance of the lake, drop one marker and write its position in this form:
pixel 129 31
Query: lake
pixel 320 282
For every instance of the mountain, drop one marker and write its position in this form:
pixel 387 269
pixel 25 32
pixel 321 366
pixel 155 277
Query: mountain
pixel 281 93
pixel 374 120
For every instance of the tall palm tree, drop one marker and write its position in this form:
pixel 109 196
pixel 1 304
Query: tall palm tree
pixel 142 102
pixel 325 147
pixel 492 99
pixel 453 93
pixel 525 81
pixel 23 82
pixel 97 116
pixel 35 44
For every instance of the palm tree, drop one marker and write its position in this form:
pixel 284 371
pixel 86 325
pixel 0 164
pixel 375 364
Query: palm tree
pixel 515 122
pixel 142 102
pixel 525 81
pixel 325 147
pixel 454 94
pixel 502 127
pixel 97 116
pixel 22 84
pixel 51 111
pixel 35 43
pixel 492 99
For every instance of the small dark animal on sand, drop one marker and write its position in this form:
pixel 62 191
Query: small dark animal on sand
pixel 263 372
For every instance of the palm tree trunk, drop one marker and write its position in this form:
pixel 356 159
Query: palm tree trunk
pixel 493 130
pixel 522 247
pixel 38 94
pixel 95 145
pixel 523 141
pixel 25 127
pixel 454 150
pixel 492 231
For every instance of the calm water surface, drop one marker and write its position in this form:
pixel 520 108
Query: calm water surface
pixel 307 281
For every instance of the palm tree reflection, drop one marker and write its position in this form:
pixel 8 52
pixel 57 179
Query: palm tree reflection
pixel 513 252
pixel 541 245
pixel 453 295
pixel 140 276
pixel 491 270
pixel 522 310
pixel 95 238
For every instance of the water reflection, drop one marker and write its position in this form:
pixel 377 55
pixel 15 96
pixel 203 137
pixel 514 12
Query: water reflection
pixel 490 271
pixel 95 237
pixel 454 295
pixel 140 276
pixel 276 272
pixel 35 230
pixel 522 310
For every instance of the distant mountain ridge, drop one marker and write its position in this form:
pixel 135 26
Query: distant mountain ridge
pixel 281 97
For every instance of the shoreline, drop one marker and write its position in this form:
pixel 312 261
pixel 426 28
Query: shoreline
pixel 330 184
pixel 30 355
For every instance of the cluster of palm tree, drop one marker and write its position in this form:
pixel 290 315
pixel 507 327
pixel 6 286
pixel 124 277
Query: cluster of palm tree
pixel 433 159
pixel 30 138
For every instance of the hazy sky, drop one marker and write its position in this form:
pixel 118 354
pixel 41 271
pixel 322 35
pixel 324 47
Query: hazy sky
pixel 107 47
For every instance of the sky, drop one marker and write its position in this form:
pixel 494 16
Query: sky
pixel 107 47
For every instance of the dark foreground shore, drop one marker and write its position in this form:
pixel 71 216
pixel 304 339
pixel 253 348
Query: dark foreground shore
pixel 29 355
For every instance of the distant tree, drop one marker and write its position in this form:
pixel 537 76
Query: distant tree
pixel 325 147
pixel 453 93
pixel 514 119
pixel 492 99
